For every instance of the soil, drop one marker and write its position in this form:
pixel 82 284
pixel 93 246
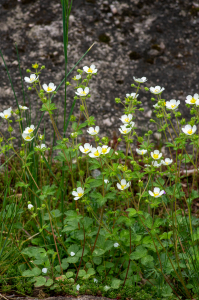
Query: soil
pixel 157 39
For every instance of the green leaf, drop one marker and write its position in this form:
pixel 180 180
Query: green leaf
pixel 96 183
pixel 139 253
pixel 64 264
pixel 49 282
pixel 40 281
pixel 132 212
pixel 36 271
pixel 158 223
pixel 22 184
pixel 97 260
pixel 69 274
pixel 166 235
pixel 115 284
pixel 91 271
pixel 81 273
pixel 72 259
pixel 98 252
pixel 146 260
pixel 28 273
pixel 73 248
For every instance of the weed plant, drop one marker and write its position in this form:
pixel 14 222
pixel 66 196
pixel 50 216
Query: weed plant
pixel 128 231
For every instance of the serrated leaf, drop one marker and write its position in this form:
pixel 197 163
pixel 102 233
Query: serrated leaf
pixel 98 252
pixel 69 274
pixel 81 273
pixel 49 282
pixel 40 281
pixel 115 284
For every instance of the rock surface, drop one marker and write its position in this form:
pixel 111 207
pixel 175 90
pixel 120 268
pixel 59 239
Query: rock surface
pixel 157 39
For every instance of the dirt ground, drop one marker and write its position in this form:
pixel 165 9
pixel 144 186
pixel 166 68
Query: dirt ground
pixel 157 39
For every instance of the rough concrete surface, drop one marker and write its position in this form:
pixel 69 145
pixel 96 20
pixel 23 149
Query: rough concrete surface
pixel 157 39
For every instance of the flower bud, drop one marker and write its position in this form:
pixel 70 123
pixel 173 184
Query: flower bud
pixel 10 129
pixel 152 121
pixel 133 85
pixel 67 83
pixel 119 139
pixel 29 88
pixel 42 67
pixel 82 108
pixel 28 71
pixel 146 89
pixel 72 118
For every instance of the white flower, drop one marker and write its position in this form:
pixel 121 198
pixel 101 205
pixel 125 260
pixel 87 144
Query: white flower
pixel 156 164
pixel 49 88
pixel 29 130
pixel 77 77
pixel 156 90
pixel 189 130
pixel 78 194
pixel 106 288
pixel 124 185
pixel 156 192
pixel 23 107
pixel 156 154
pixel 105 149
pixel 86 149
pixel 106 181
pixel 95 280
pixel 116 245
pixel 192 100
pixel 141 151
pixel 167 161
pixel 81 92
pixel 132 95
pixel 124 130
pixel 93 131
pixel 42 146
pixel 95 152
pixel 6 113
pixel 156 105
pixel 30 206
pixel 140 80
pixel 90 70
pixel 126 118
pixel 77 287
pixel 27 137
pixel 44 270
pixel 72 253
pixel 31 79
pixel 172 104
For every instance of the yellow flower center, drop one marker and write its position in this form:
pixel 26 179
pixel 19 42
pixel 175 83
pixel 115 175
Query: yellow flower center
pixel 35 66
pixel 166 162
pixel 156 90
pixel 28 137
pixel 95 131
pixel 90 70
pixel 83 93
pixel 125 131
pixel 126 120
pixel 30 130
pixel 86 150
pixel 173 105
pixel 164 103
pixel 49 89
pixel 142 152
pixel 155 156
pixel 156 194
pixel 96 153
pixel 190 131
pixel 80 194
pixel 104 150
pixel 193 100
pixel 6 116
pixel 123 186
pixel 125 168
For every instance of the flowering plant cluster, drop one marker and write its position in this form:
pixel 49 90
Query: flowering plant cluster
pixel 106 225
